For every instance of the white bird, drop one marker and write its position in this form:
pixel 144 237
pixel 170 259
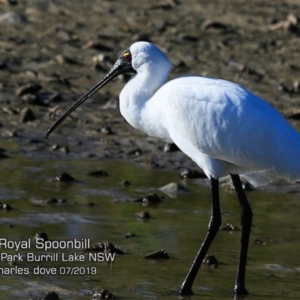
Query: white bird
pixel 220 125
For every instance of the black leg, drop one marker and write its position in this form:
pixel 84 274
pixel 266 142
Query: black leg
pixel 246 221
pixel 213 227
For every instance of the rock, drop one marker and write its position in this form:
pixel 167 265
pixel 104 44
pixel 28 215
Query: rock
pixel 28 89
pixel 173 189
pixel 211 261
pixel 151 198
pixel 51 296
pixel 5 206
pixel 98 173
pixel 192 174
pixel 142 215
pixel 129 235
pixel 106 130
pixel 170 147
pixel 104 247
pixel 229 227
pixel 10 2
pixel 96 45
pixel 65 177
pixel 213 24
pixel 2 155
pixel 26 115
pixel 41 235
pixel 259 242
pixel 12 17
pixel 159 254
pixel 102 294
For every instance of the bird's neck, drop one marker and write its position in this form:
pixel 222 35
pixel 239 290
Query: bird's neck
pixel 137 92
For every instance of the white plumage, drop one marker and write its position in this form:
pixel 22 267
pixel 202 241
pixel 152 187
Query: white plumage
pixel 220 125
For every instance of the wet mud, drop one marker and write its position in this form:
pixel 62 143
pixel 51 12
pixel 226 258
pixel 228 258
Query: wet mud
pixel 51 52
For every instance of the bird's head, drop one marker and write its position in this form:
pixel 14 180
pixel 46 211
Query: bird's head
pixel 139 57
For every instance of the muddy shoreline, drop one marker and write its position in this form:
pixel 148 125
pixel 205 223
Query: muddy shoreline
pixel 53 51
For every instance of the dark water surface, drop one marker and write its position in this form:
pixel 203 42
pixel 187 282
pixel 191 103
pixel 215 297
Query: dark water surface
pixel 177 225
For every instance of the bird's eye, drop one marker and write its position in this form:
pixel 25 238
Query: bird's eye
pixel 127 56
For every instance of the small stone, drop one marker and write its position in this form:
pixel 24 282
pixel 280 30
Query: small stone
pixel 10 2
pixel 28 89
pixel 292 19
pixel 192 174
pixel 166 4
pixel 211 261
pixel 159 254
pixel 5 206
pixel 102 294
pixel 104 247
pixel 56 201
pixel 170 147
pixel 259 242
pixel 136 152
pixel 213 24
pixel 65 177
pixel 152 198
pixel 229 227
pixel 296 86
pixel 32 99
pixel 125 183
pixel 12 17
pixel 129 235
pixel 98 173
pixel 64 35
pixel 41 235
pixel 26 115
pixel 106 130
pixel 51 296
pixel 54 98
pixel 2 155
pixel 61 59
pixel 173 189
pixel 142 215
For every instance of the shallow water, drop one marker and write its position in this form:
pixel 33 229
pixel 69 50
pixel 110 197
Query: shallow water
pixel 177 225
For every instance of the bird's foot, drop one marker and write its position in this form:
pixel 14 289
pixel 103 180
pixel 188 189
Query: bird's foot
pixel 185 291
pixel 240 290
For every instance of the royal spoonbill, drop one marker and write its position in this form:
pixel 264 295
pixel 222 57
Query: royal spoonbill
pixel 220 125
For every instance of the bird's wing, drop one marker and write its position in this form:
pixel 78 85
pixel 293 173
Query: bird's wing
pixel 226 122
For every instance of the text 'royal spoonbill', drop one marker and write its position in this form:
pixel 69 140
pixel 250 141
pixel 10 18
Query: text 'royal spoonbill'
pixel 220 125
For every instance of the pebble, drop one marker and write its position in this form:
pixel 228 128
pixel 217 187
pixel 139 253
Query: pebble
pixel 65 177
pixel 229 227
pixel 12 17
pixel 173 189
pixel 151 198
pixel 104 247
pixel 170 147
pixel 26 115
pixel 192 174
pixel 51 296
pixel 106 130
pixel 41 235
pixel 211 261
pixel 142 215
pixel 129 235
pixel 259 242
pixel 213 24
pixel 28 89
pixel 2 155
pixel 98 173
pixel 159 254
pixel 102 294
pixel 5 206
